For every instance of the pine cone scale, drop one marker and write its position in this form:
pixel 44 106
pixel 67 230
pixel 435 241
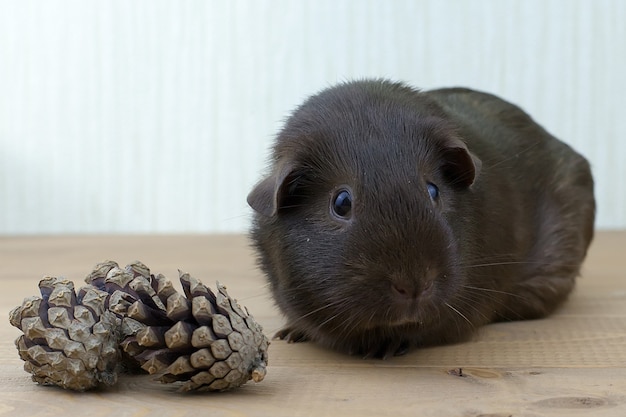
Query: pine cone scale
pixel 202 310
pixel 34 328
pixel 179 336
pixel 201 359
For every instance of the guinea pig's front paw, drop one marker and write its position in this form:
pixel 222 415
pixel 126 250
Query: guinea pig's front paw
pixel 383 349
pixel 291 335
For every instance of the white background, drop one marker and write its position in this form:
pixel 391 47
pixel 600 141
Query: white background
pixel 157 116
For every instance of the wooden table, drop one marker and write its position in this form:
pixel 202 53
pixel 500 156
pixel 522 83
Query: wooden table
pixel 573 363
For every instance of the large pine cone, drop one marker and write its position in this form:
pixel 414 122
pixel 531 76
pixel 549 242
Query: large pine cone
pixel 201 338
pixel 69 340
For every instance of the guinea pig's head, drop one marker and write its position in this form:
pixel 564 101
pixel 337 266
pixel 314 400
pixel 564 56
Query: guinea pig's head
pixel 355 222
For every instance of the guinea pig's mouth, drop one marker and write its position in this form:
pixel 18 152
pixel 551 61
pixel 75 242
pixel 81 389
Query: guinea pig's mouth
pixel 402 302
pixel 417 312
pixel 405 318
pixel 393 316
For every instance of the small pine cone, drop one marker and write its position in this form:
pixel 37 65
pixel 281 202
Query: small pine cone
pixel 203 339
pixel 70 340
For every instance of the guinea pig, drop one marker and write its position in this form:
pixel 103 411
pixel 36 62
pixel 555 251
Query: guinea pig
pixel 393 218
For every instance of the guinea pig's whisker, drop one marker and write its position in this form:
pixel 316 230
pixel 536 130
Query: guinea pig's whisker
pixel 388 313
pixel 343 326
pixel 471 287
pixel 479 293
pixel 495 264
pixel 471 303
pixel 502 303
pixel 370 319
pixel 347 324
pixel 503 257
pixel 459 313
pixel 331 318
pixel 514 156
pixel 317 310
pixel 351 312
pixel 517 263
pixel 324 307
pixel 252 296
pixel 292 206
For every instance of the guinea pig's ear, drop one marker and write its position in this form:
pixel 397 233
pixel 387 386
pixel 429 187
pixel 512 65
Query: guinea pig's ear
pixel 266 196
pixel 460 166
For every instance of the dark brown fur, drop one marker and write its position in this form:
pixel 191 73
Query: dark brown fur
pixel 504 241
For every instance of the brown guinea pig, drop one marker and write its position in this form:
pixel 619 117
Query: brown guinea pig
pixel 394 218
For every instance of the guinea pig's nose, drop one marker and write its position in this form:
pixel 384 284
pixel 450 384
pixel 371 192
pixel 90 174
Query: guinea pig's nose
pixel 403 291
pixel 407 291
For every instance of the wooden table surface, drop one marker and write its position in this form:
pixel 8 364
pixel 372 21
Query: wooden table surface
pixel 573 363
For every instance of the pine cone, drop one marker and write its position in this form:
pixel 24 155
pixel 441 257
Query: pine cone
pixel 69 340
pixel 203 339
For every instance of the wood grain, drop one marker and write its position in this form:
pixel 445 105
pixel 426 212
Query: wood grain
pixel 573 363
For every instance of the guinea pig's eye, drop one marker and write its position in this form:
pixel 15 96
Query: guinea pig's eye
pixel 341 204
pixel 433 191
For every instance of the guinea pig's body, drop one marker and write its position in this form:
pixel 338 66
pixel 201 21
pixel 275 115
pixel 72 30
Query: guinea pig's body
pixel 393 218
